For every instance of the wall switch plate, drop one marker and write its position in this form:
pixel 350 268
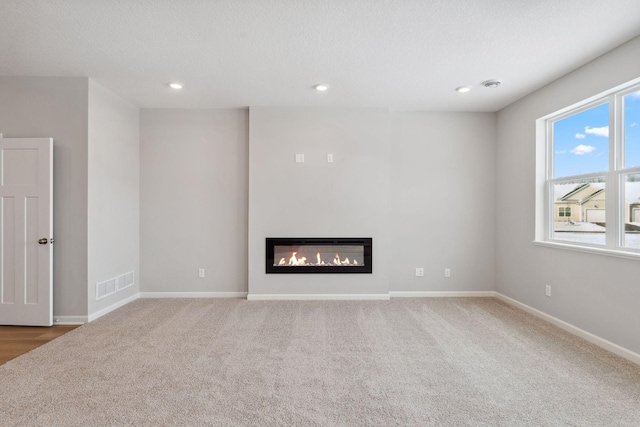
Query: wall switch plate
pixel 419 272
pixel 547 290
pixel 329 158
pixel 447 272
pixel 299 158
pixel 201 272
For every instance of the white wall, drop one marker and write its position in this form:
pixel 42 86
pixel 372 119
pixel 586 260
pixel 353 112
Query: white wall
pixel 596 293
pixel 113 193
pixel 346 198
pixel 193 208
pixel 442 201
pixel 57 107
pixel 421 184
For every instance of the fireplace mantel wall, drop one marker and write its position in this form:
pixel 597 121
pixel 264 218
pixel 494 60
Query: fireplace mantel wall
pixel 346 198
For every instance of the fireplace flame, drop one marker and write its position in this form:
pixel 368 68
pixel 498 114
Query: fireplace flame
pixel 298 260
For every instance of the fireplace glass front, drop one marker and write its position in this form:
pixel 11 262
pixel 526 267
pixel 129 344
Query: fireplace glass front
pixel 318 255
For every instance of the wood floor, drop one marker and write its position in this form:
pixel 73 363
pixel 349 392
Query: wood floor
pixel 17 340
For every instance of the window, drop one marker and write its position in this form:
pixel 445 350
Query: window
pixel 588 173
pixel 564 211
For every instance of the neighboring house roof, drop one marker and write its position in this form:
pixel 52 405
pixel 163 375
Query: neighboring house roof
pixel 580 193
pixel 561 190
pixel 594 195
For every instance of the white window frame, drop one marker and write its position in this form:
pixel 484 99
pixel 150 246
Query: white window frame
pixel 614 176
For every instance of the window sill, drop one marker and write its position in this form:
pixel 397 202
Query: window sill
pixel 619 253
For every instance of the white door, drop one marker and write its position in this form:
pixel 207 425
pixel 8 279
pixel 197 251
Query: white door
pixel 26 231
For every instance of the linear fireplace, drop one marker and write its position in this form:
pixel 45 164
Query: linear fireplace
pixel 318 255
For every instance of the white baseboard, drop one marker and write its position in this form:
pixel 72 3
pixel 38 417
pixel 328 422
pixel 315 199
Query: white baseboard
pixel 442 294
pixel 98 314
pixel 70 320
pixel 193 294
pixel 315 297
pixel 593 339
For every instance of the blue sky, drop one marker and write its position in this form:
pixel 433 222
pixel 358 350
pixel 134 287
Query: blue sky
pixel 581 141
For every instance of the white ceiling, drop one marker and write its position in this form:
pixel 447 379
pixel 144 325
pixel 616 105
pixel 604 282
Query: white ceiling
pixel 402 54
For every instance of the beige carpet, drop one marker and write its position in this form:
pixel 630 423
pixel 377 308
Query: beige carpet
pixel 405 362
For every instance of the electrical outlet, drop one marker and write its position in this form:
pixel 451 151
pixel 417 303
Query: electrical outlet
pixel 447 272
pixel 547 291
pixel 201 272
pixel 419 272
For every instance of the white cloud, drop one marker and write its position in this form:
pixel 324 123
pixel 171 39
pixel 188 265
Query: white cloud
pixel 580 136
pixel 603 131
pixel 561 152
pixel 634 124
pixel 583 149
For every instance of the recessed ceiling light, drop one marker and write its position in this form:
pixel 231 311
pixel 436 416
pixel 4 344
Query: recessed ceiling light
pixel 175 85
pixel 463 89
pixel 321 87
pixel 491 83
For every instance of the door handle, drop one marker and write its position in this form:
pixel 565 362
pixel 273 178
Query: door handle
pixel 43 241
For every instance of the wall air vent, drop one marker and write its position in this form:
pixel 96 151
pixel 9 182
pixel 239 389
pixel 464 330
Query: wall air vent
pixel 116 284
pixel 101 290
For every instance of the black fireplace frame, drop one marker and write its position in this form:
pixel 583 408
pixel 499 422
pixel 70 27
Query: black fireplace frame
pixel 271 242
